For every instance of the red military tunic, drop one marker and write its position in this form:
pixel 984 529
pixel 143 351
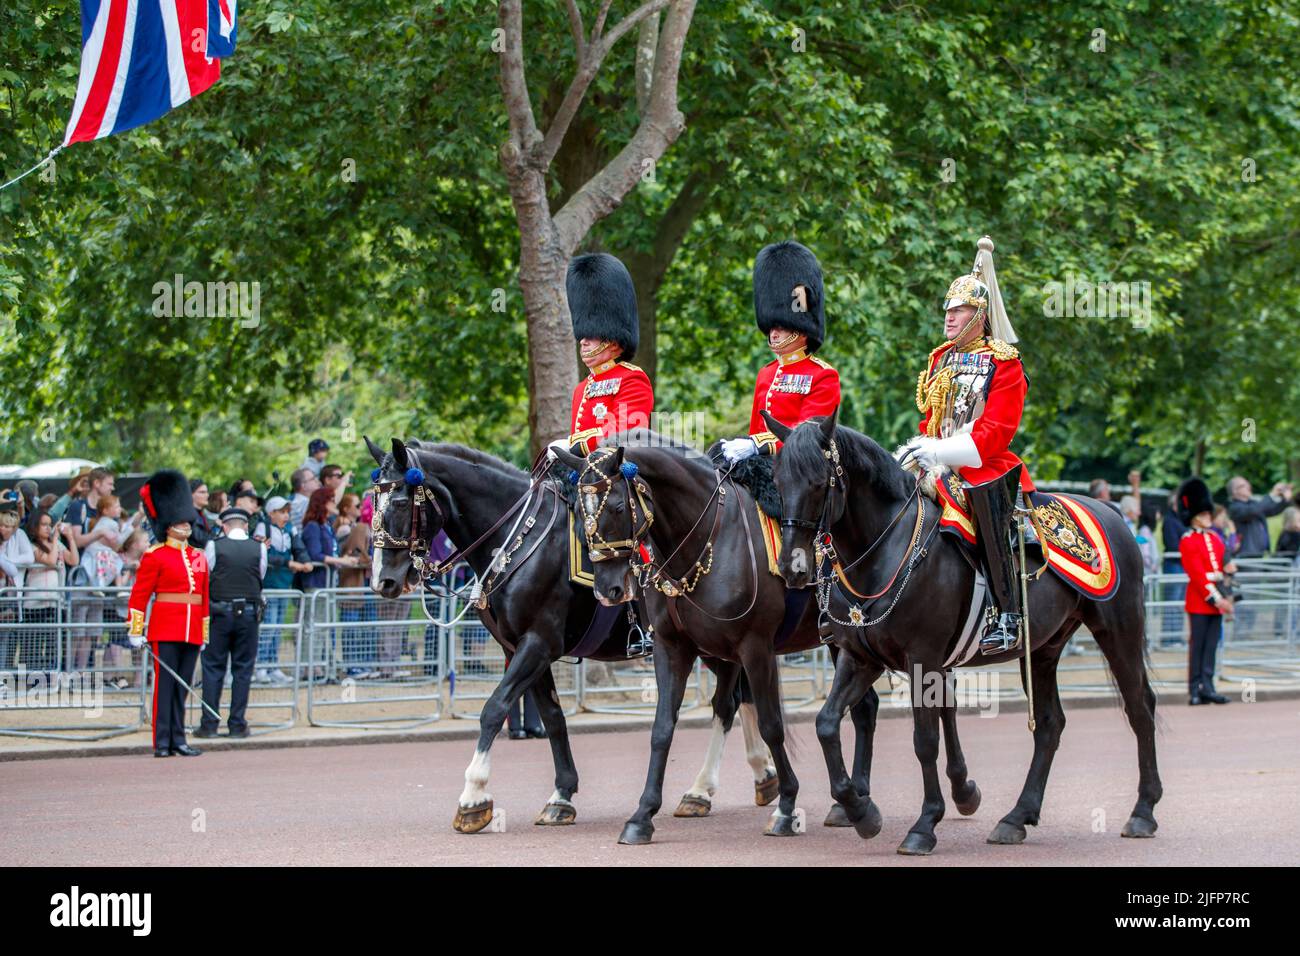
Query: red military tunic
pixel 178 576
pixel 792 388
pixel 1202 554
pixel 992 374
pixel 616 396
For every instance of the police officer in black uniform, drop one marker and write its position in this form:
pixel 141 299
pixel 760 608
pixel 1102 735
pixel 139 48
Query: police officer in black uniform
pixel 237 566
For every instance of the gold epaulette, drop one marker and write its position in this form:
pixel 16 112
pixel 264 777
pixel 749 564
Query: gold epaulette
pixel 635 368
pixel 1003 351
pixel 822 362
pixel 153 547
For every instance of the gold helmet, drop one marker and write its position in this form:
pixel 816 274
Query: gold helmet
pixel 979 288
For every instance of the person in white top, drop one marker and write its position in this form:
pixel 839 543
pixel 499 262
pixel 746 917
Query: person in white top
pixel 106 534
pixel 15 555
pixel 51 558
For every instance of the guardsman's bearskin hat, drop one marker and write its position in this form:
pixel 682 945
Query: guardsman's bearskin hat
pixel 602 301
pixel 1192 497
pixel 778 269
pixel 167 501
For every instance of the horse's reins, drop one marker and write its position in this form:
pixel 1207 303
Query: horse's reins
pixel 538 474
pixel 651 571
pixel 827 553
pixel 419 541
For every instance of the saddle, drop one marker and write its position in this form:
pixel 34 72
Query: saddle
pixel 755 476
pixel 1068 535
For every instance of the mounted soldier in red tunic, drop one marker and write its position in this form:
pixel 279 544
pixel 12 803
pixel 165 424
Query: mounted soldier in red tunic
pixel 789 308
pixel 616 395
pixel 972 396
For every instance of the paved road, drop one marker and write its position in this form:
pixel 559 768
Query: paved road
pixel 1231 778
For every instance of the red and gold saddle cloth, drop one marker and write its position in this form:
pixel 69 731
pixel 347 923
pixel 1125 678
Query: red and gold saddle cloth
pixel 1073 542
pixel 771 540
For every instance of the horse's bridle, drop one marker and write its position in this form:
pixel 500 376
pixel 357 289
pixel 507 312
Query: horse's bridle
pixel 420 534
pixel 836 480
pixel 837 572
pixel 592 497
pixel 649 571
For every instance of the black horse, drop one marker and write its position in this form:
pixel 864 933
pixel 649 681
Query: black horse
pixel 665 525
pixel 533 610
pixel 837 481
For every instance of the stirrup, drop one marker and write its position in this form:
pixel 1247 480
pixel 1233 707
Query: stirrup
pixel 1002 635
pixel 640 641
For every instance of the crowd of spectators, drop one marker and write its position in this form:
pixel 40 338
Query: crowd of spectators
pixel 1241 523
pixel 82 541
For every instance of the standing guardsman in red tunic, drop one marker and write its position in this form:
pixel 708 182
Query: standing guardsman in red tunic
pixel 1206 604
pixel 616 395
pixel 176 577
pixel 972 395
pixel 789 307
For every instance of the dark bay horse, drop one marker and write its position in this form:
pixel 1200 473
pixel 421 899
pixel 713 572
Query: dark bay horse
pixel 837 481
pixel 533 608
pixel 707 590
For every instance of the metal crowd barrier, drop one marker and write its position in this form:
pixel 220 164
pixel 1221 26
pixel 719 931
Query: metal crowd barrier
pixel 378 661
pixel 277 669
pixel 64 650
pixel 349 658
pixel 628 687
pixel 476 664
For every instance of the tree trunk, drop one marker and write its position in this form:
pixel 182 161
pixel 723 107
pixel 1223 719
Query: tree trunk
pixel 1198 461
pixel 543 262
pixel 546 242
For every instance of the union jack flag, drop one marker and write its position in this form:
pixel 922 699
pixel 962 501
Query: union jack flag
pixel 141 58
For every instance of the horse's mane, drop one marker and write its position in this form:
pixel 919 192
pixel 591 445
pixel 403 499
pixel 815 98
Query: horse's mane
pixel 643 440
pixel 472 455
pixel 802 452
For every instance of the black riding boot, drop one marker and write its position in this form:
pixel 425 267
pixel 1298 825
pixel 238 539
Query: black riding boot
pixel 992 504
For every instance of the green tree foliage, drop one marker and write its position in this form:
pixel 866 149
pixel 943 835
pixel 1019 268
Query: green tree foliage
pixel 1162 150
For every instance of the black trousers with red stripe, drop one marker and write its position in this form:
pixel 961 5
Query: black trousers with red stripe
pixel 168 694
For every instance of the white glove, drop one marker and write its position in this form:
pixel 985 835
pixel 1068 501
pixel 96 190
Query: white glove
pixel 738 449
pixel 136 640
pixel 910 453
pixel 958 451
pixel 559 445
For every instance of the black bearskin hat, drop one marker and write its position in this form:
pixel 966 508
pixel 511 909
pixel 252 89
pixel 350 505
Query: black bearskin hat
pixel 1192 497
pixel 602 301
pixel 777 270
pixel 167 501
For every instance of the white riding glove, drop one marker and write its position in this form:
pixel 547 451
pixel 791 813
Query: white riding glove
pixel 559 445
pixel 958 451
pixel 738 449
pixel 136 640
